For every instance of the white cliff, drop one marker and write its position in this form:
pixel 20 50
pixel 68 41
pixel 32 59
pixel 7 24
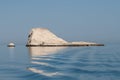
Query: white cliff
pixel 42 36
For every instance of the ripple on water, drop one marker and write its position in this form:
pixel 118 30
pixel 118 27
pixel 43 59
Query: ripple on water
pixel 78 63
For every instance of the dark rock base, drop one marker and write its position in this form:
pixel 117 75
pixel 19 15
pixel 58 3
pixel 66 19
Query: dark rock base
pixel 69 45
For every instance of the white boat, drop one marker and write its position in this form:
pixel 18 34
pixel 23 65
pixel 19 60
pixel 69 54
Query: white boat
pixel 11 45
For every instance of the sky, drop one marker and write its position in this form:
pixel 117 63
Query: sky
pixel 72 20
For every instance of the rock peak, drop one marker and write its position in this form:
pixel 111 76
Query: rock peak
pixel 40 28
pixel 44 37
pixel 40 36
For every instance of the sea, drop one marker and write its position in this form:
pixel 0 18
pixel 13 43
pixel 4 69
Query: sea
pixel 60 63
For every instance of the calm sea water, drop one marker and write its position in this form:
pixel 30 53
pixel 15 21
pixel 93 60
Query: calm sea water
pixel 60 63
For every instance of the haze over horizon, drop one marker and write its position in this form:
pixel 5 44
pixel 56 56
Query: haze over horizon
pixel 72 20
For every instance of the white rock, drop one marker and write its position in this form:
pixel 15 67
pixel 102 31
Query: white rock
pixel 82 42
pixel 42 36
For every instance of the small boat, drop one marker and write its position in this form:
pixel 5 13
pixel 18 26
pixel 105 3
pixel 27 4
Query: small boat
pixel 11 45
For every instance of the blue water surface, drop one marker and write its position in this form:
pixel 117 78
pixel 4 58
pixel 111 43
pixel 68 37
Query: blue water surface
pixel 60 63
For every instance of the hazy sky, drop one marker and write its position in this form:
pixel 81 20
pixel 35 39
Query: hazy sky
pixel 73 20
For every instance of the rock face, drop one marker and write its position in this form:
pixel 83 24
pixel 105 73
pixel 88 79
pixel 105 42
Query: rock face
pixel 42 36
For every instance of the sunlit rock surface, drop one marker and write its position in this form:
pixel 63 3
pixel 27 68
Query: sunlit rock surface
pixel 42 36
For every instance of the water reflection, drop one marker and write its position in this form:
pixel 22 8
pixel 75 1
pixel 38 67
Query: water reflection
pixel 42 72
pixel 42 51
pixel 40 58
pixel 11 51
